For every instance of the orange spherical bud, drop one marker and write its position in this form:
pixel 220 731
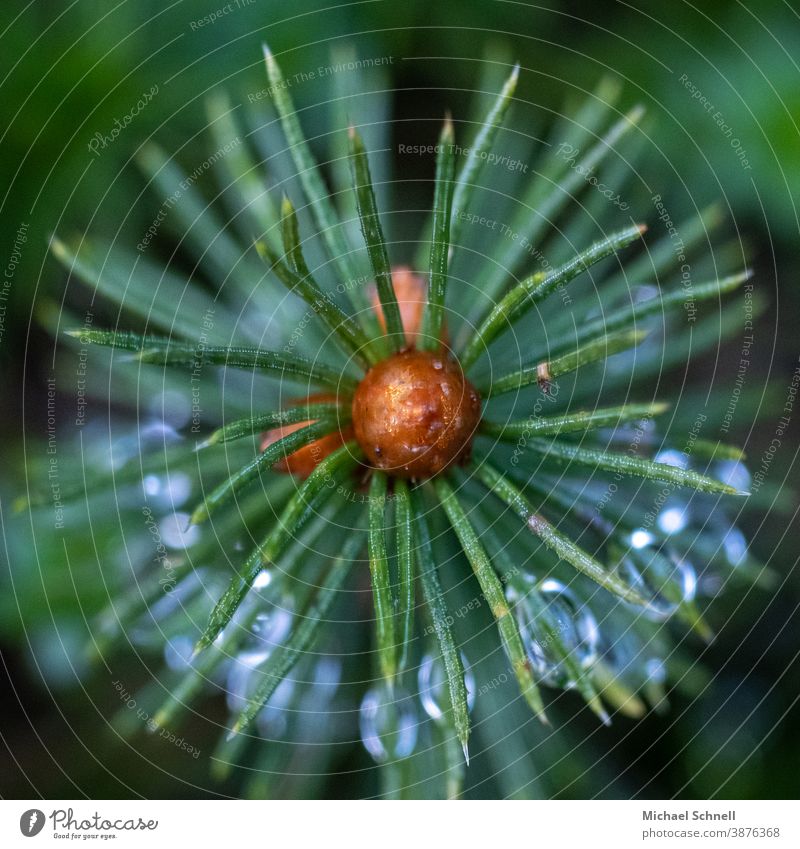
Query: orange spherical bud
pixel 303 461
pixel 415 413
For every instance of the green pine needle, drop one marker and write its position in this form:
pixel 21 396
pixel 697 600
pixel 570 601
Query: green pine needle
pixel 310 494
pixel 279 450
pixel 552 628
pixel 245 177
pixel 493 591
pixel 405 563
pixel 554 539
pixel 309 173
pixel 346 331
pixel 544 372
pixel 616 692
pixel 442 623
pixel 156 350
pixel 580 421
pixel 559 184
pixel 631 316
pixel 290 236
pixel 381 580
pixel 624 464
pixel 302 639
pixel 433 315
pixel 164 301
pixel 479 150
pixel 373 237
pixel 267 421
pixel 539 286
pixel 661 255
pixel 710 450
pixel 198 222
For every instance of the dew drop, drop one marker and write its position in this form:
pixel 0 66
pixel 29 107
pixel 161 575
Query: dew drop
pixel 272 628
pixel 388 722
pixel 710 586
pixel 315 716
pixel 734 473
pixel 165 491
pixel 655 677
pixel 735 546
pixel 178 652
pixel 656 670
pixel 641 538
pixel 673 519
pixel 673 457
pixel 266 631
pixel 434 690
pixel 548 615
pixel 273 719
pixel 172 407
pixel 326 677
pixel 665 579
pixel 263 578
pixel 122 449
pixel 158 433
pixel 176 532
pixel 640 294
pixel 243 677
pixel 175 598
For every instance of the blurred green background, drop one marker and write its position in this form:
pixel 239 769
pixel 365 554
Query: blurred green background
pixel 70 70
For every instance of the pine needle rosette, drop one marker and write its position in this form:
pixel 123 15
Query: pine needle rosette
pixel 416 426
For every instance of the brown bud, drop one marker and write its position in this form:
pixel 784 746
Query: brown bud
pixel 415 413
